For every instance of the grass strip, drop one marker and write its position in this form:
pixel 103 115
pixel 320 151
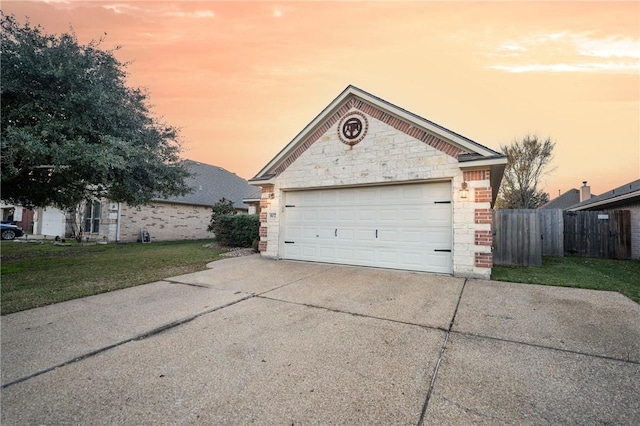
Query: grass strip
pixel 582 272
pixel 39 274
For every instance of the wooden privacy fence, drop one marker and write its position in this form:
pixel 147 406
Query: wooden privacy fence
pixel 516 238
pixel 598 234
pixel 522 237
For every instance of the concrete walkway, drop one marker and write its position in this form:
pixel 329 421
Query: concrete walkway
pixel 277 342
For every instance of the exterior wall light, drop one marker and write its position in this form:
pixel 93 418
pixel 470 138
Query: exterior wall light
pixel 464 190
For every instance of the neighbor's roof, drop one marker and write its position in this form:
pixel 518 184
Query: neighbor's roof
pixel 465 145
pixel 211 183
pixel 625 194
pixel 563 201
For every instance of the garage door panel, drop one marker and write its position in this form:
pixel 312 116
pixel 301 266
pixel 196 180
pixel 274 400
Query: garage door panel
pixel 416 215
pixel 364 257
pixel 412 259
pixel 387 257
pixel 397 226
pixel 344 234
pixel 325 233
pixel 325 253
pixel 365 236
pixel 325 197
pixel 387 215
pixel 326 216
pixel 345 215
pixel 412 193
pixel 366 215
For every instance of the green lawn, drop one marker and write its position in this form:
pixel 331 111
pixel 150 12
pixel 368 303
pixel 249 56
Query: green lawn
pixel 622 276
pixel 38 274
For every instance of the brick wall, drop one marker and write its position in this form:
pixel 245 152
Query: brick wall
pixel 483 238
pixel 165 221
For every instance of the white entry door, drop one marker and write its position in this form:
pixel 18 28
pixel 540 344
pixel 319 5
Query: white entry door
pixel 393 226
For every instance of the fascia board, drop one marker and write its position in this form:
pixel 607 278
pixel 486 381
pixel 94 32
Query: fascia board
pixel 261 182
pixel 611 200
pixel 482 162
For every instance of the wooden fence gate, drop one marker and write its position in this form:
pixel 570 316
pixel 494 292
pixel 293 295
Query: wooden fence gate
pixel 516 238
pixel 598 234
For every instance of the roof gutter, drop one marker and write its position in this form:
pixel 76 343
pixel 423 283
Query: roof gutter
pixel 611 200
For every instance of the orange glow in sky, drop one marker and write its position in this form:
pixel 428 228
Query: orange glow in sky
pixel 241 79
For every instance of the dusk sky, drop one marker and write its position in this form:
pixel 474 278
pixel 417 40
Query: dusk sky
pixel 241 79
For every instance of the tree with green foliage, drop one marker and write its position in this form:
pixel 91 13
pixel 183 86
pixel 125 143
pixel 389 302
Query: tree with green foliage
pixel 71 128
pixel 528 161
pixel 223 207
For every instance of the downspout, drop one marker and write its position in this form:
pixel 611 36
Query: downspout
pixel 118 223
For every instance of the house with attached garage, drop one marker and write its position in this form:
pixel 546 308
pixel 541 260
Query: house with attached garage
pixel 368 183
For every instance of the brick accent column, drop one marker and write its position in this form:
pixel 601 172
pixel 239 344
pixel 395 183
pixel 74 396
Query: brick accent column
pixel 484 260
pixel 482 195
pixel 476 175
pixel 267 192
pixel 483 238
pixel 482 216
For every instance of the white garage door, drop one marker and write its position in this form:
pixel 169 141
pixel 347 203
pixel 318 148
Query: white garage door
pixel 395 226
pixel 53 222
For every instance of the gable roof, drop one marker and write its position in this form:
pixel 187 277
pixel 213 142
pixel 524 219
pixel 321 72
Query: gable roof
pixel 211 183
pixel 563 201
pixel 625 194
pixel 433 134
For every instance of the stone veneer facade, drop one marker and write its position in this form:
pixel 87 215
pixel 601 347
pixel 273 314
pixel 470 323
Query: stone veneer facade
pixel 392 152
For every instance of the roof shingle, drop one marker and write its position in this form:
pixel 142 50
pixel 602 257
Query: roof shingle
pixel 211 183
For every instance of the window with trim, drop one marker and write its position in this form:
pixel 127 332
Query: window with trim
pixel 92 217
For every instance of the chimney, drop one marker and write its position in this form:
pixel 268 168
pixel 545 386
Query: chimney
pixel 585 191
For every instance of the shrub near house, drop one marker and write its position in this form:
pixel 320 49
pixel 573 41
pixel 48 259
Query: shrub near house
pixel 237 230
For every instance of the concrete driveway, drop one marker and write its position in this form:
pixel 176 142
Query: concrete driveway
pixel 276 342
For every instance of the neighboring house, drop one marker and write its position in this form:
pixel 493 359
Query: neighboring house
pixel 369 183
pixel 174 218
pixel 187 217
pixel 22 216
pixel 625 197
pixel 569 198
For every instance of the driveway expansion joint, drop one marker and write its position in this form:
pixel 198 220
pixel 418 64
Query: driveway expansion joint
pixel 440 356
pixel 295 281
pixel 355 314
pixel 534 345
pixel 189 284
pixel 142 336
